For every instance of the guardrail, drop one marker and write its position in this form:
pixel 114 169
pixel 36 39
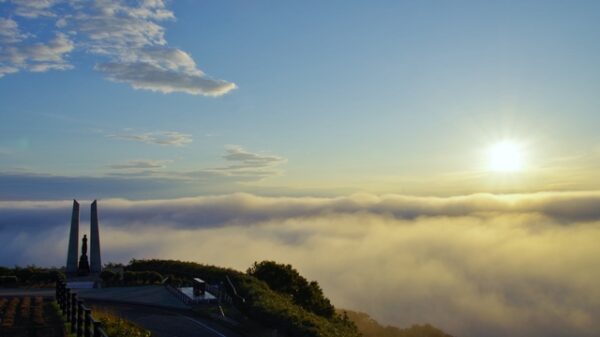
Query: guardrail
pixel 233 291
pixel 177 293
pixel 80 316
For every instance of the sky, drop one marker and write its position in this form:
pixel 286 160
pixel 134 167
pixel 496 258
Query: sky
pixel 312 98
pixel 450 147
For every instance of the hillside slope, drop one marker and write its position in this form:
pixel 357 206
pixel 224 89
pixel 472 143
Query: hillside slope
pixel 371 328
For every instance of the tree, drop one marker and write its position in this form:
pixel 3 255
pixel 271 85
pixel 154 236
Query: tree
pixel 283 278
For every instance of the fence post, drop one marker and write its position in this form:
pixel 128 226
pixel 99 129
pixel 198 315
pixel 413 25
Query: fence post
pixel 97 328
pixel 56 290
pixel 79 318
pixel 73 312
pixel 61 297
pixel 58 293
pixel 88 322
pixel 67 310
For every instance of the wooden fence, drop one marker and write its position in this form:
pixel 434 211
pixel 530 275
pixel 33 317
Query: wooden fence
pixel 80 316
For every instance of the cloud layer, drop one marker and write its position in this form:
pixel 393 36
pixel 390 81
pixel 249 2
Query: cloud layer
pixel 127 36
pixel 156 137
pixel 138 178
pixel 478 265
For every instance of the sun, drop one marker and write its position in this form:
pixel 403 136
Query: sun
pixel 505 156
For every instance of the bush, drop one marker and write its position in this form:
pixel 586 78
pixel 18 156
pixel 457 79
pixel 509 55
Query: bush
pixel 286 280
pixel 115 326
pixel 109 277
pixel 30 276
pixel 132 278
pixel 9 281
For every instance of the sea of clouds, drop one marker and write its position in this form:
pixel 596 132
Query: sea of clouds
pixel 476 265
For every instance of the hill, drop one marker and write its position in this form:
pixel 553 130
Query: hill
pixel 299 310
pixel 369 327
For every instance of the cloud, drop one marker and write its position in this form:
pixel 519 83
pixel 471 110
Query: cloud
pixel 245 163
pixel 33 9
pixel 24 185
pixel 140 178
pixel 155 78
pixel 127 36
pixel 140 165
pixel 37 57
pixel 173 138
pixel 476 265
pixel 9 31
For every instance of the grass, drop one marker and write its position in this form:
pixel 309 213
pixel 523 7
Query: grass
pixel 115 326
pixel 67 323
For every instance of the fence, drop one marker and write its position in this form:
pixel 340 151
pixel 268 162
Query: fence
pixel 180 295
pixel 80 316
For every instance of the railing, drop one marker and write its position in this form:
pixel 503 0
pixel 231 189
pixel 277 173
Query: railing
pixel 177 293
pixel 217 290
pixel 80 316
pixel 233 291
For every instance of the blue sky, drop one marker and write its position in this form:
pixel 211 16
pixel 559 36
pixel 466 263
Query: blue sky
pixel 297 98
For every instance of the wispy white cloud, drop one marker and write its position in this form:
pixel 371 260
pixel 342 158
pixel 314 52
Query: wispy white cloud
pixel 137 178
pixel 35 8
pixel 476 265
pixel 140 165
pixel 141 75
pixel 129 36
pixel 173 138
pixel 243 162
pixel 10 32
pixel 36 57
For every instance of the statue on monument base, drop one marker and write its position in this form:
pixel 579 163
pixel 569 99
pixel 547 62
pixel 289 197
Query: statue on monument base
pixel 84 265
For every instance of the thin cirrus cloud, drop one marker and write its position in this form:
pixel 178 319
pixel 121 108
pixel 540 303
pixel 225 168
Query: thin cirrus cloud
pixel 243 162
pixel 127 37
pixel 473 265
pixel 140 165
pixel 138 177
pixel 172 138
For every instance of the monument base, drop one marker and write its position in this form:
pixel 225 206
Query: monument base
pixel 84 282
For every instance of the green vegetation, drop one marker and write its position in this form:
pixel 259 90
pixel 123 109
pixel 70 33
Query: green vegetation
pixel 115 326
pixel 283 309
pixel 286 280
pixel 130 278
pixel 371 328
pixel 30 276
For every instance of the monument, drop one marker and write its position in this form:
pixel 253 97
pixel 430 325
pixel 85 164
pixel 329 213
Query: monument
pixel 73 241
pixel 85 267
pixel 95 261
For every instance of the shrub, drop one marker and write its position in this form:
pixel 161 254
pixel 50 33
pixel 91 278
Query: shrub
pixel 286 280
pixel 115 326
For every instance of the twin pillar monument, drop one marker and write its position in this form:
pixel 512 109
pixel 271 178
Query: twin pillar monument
pixel 83 267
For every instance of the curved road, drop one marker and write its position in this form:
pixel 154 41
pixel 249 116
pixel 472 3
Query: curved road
pixel 161 322
pixel 166 323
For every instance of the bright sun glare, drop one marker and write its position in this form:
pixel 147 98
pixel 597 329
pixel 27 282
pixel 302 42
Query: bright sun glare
pixel 505 156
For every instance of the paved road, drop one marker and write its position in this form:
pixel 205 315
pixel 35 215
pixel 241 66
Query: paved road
pixel 165 322
pixel 155 295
